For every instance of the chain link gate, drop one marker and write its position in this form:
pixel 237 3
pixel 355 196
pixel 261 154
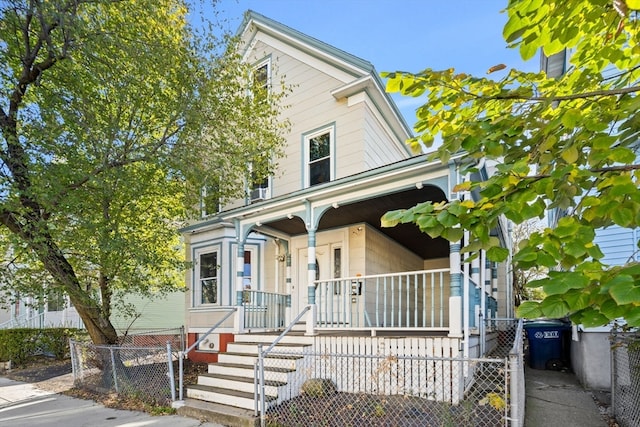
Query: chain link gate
pixel 625 379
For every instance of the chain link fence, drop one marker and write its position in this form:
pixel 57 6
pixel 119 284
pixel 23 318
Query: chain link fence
pixel 315 389
pixel 625 379
pixel 335 389
pixel 141 367
pixel 154 338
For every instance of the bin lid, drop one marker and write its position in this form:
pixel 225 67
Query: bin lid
pixel 544 323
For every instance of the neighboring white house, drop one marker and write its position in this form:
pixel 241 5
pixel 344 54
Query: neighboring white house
pixel 30 312
pixel 310 236
pixel 591 347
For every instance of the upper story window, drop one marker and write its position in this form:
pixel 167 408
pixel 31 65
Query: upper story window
pixel 209 200
pixel 319 148
pixel 261 79
pixel 258 188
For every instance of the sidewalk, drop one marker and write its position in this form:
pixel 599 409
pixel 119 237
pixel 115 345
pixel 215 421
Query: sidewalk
pixel 24 404
pixel 557 399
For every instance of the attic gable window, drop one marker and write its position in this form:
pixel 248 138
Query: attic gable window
pixel 261 79
pixel 319 157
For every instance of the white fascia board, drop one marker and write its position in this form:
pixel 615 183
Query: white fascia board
pixel 316 58
pixel 350 192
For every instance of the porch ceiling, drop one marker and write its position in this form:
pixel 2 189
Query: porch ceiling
pixel 370 211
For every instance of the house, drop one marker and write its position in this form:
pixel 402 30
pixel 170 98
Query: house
pixel 307 244
pixel 29 312
pixel 591 347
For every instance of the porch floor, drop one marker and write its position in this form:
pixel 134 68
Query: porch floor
pixel 392 333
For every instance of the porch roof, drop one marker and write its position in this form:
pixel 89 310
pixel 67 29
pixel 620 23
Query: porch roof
pixel 370 211
pixel 359 198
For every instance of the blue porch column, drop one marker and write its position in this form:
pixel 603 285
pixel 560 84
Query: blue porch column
pixel 311 277
pixel 455 291
pixel 474 307
pixel 239 286
pixel 486 287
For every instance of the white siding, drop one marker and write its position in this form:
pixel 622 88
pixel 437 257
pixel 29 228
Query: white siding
pixel 618 244
pixel 363 140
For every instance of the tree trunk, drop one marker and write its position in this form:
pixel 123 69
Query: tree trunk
pixel 35 233
pixel 98 325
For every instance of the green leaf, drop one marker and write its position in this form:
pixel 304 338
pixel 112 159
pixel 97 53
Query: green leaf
pixel 570 117
pixel 392 218
pixel 570 154
pixel 497 254
pixel 623 290
pixel 612 310
pixel 554 307
pixel 453 234
pixel 567 226
pixel 529 310
pixel 592 318
pixel 577 299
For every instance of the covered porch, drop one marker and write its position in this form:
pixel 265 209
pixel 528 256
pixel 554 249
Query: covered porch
pixel 323 250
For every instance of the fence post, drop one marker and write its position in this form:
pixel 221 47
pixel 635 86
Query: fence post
pixel 513 368
pixel 74 359
pixel 261 387
pixel 113 370
pixel 181 374
pixel 172 380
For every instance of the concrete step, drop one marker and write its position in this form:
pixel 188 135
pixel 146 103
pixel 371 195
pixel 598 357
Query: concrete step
pixel 217 413
pixel 252 347
pixel 238 399
pixel 295 337
pixel 275 374
pixel 244 384
pixel 284 362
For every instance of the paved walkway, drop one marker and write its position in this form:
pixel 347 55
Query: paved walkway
pixel 557 399
pixel 552 399
pixel 23 404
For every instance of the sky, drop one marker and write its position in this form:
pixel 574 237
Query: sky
pixel 405 35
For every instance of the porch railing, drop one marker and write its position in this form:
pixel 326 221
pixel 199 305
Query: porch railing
pixel 26 320
pixel 416 299
pixel 264 310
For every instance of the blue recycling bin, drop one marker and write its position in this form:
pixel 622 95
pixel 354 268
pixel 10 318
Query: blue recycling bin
pixel 547 344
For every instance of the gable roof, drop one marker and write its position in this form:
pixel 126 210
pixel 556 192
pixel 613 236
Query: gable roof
pixel 365 77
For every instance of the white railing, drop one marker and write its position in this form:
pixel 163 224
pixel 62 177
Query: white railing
pixel 26 320
pixel 415 299
pixel 264 310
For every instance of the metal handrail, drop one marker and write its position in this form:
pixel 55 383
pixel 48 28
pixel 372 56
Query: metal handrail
pixel 183 354
pixel 259 366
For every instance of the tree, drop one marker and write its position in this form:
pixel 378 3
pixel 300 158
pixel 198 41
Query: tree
pixel 114 115
pixel 568 143
pixel 521 277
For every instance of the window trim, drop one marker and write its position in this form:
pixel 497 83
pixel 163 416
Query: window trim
pixel 251 187
pixel 259 64
pixel 306 138
pixel 196 296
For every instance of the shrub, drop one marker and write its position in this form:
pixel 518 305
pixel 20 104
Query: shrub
pixel 19 344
